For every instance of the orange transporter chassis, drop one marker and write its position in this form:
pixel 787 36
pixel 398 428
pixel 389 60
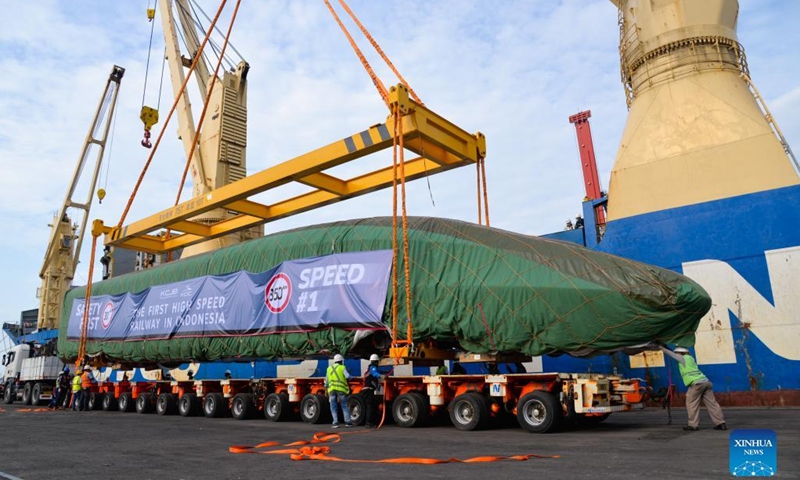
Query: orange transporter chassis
pixel 541 402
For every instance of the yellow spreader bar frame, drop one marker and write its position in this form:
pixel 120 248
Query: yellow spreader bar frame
pixel 440 144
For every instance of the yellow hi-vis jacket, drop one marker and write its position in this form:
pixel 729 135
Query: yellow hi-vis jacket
pixel 336 379
pixel 76 383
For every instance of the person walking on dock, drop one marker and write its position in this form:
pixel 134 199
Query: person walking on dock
pixel 699 387
pixel 371 378
pixel 338 389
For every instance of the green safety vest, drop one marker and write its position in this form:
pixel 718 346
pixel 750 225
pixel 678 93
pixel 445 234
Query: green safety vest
pixel 336 379
pixel 689 371
pixel 76 383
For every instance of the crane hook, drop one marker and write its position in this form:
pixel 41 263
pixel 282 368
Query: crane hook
pixel 146 142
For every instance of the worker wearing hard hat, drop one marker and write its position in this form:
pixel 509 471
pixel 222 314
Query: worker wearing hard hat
pixel 338 389
pixel 371 378
pixel 76 389
pixel 699 387
pixel 87 380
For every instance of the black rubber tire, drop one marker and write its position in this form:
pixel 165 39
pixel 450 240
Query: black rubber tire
pixel 539 412
pixel 109 403
pixel 27 393
pixel 144 404
pixel 165 404
pixel 126 402
pixel 8 395
pixel 358 409
pixel 215 406
pixel 242 406
pixel 188 405
pixel 469 411
pixel 410 410
pixel 94 401
pixel 314 409
pixel 277 407
pixel 36 394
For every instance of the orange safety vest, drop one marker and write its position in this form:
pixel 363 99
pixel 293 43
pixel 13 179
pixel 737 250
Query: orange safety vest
pixel 86 380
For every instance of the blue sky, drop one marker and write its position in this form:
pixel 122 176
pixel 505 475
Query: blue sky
pixel 514 70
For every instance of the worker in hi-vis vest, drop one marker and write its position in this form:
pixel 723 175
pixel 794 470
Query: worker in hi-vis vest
pixel 699 387
pixel 338 388
pixel 76 389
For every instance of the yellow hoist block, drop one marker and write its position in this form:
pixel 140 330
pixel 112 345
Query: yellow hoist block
pixel 151 14
pixel 149 116
pixel 101 194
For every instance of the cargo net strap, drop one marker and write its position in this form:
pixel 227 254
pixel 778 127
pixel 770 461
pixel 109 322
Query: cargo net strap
pixel 313 450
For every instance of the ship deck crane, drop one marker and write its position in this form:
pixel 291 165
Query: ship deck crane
pixel 63 251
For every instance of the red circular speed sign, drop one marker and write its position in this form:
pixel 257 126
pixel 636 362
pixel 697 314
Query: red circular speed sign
pixel 278 293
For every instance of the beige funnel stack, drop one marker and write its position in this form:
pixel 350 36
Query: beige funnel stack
pixel 695 131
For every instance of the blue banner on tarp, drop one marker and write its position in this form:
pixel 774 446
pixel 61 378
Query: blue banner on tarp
pixel 343 290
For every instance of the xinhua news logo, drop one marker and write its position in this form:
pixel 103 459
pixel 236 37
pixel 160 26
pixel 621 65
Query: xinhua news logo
pixel 754 453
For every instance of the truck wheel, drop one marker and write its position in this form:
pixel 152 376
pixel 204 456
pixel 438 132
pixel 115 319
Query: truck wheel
pixel 27 393
pixel 8 393
pixel 94 401
pixel 188 405
pixel 109 403
pixel 538 412
pixel 36 394
pixel 469 411
pixel 144 404
pixel 165 404
pixel 126 402
pixel 277 407
pixel 242 407
pixel 358 410
pixel 409 410
pixel 214 406
pixel 313 408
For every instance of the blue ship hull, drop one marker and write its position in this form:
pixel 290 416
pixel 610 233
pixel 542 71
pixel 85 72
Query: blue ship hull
pixel 745 251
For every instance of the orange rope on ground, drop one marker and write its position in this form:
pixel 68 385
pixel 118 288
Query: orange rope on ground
pixel 322 453
pixel 86 302
pixel 169 116
pixel 203 113
pixel 380 52
pixel 375 80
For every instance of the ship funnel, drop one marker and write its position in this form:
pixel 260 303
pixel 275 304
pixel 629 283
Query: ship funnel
pixel 697 130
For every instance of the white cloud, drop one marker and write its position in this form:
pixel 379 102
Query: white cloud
pixel 514 70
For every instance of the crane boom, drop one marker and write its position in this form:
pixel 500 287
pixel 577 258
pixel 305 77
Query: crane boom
pixel 62 253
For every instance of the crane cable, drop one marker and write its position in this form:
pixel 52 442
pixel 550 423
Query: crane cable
pixel 203 113
pixel 375 80
pixel 169 116
pixel 380 52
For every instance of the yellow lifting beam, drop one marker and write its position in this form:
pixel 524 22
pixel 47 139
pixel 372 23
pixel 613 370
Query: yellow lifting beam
pixel 440 144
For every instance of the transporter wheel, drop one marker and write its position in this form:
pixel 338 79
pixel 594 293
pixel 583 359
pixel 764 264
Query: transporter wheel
pixel 410 410
pixel 109 403
pixel 94 401
pixel 358 409
pixel 126 402
pixel 314 408
pixel 27 393
pixel 469 411
pixel 242 407
pixel 277 407
pixel 144 404
pixel 539 412
pixel 36 394
pixel 215 406
pixel 165 404
pixel 8 393
pixel 188 405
